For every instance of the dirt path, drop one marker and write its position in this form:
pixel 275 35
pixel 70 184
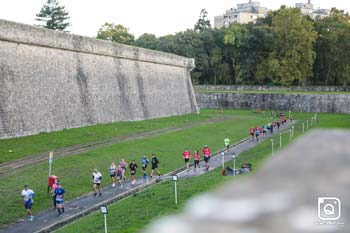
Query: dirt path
pixel 6 168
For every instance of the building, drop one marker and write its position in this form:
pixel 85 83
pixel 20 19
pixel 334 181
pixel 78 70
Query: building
pixel 244 13
pixel 308 9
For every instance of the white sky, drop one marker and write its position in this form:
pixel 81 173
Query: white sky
pixel 159 17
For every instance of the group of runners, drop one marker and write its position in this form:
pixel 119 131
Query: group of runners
pixel 186 155
pixel 269 127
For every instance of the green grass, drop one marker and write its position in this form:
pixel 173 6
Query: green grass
pixel 76 170
pixel 134 213
pixel 276 92
pixel 14 148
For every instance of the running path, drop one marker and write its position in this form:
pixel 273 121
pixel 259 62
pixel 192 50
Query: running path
pixel 12 166
pixel 48 221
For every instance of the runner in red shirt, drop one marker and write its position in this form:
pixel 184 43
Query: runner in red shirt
pixel 251 132
pixel 206 155
pixel 186 155
pixel 196 159
pixel 52 179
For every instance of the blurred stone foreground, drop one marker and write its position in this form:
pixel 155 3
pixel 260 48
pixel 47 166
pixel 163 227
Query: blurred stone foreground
pixel 282 196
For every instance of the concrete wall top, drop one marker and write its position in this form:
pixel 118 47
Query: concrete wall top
pixel 26 34
pixel 272 88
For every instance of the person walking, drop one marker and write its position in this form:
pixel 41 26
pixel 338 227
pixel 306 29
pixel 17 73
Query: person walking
pixel 196 159
pixel 112 169
pixel 59 191
pixel 206 155
pixel 144 163
pixel 28 195
pixel 120 176
pixel 227 143
pixel 133 167
pixel 154 162
pixel 123 165
pixel 97 177
pixel 186 156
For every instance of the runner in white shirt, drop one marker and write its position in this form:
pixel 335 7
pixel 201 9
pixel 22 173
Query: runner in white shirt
pixel 28 195
pixel 97 177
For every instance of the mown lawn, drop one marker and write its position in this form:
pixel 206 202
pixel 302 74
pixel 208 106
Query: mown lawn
pixel 277 92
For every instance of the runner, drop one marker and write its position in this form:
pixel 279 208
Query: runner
pixel 251 132
pixel 196 159
pixel 133 167
pixel 53 188
pixel 28 196
pixel 154 162
pixel 206 154
pixel 257 133
pixel 144 163
pixel 227 143
pixel 120 176
pixel 264 129
pixel 123 165
pixel 186 156
pixel 278 125
pixel 112 169
pixel 97 177
pixel 59 191
pixel 52 179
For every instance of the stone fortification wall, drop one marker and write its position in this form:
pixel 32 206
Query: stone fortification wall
pixel 52 80
pixel 308 102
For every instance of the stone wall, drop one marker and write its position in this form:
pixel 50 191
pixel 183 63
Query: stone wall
pixel 52 80
pixel 273 88
pixel 332 103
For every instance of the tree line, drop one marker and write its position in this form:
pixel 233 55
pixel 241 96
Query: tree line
pixel 284 48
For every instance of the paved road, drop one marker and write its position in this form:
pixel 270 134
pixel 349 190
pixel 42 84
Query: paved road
pixel 47 220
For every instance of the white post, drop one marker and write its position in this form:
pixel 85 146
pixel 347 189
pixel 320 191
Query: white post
pixel 50 162
pixel 234 167
pixel 289 114
pixel 105 222
pixel 307 124
pixel 223 160
pixel 303 127
pixel 175 193
pixel 312 121
pixel 290 134
pixel 292 131
pixel 280 139
pixel 315 118
pixel 272 145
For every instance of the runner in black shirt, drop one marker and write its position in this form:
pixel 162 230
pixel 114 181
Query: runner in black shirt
pixel 154 162
pixel 133 167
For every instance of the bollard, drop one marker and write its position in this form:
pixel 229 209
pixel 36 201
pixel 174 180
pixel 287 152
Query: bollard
pixel 303 127
pixel 280 139
pixel 272 145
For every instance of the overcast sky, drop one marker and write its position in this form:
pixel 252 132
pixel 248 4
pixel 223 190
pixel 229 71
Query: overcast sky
pixel 159 17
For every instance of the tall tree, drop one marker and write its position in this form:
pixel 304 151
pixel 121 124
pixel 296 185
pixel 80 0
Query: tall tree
pixel 116 33
pixel 203 22
pixel 54 16
pixel 292 57
pixel 149 41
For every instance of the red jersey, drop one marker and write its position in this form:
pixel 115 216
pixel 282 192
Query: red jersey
pixel 206 152
pixel 51 180
pixel 251 130
pixel 186 154
pixel 196 156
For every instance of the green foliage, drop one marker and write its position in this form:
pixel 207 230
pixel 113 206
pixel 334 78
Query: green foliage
pixel 203 22
pixel 54 16
pixel 149 41
pixel 116 33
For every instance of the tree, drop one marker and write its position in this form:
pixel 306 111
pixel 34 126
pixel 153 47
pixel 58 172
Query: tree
pixel 54 16
pixel 291 60
pixel 116 33
pixel 203 22
pixel 148 41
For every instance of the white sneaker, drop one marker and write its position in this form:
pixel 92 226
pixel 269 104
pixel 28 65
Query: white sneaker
pixel 113 185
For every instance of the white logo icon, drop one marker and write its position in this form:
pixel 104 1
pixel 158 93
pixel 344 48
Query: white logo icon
pixel 329 208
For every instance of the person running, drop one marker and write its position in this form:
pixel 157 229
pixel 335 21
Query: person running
pixel 51 180
pixel 278 125
pixel 264 129
pixel 112 169
pixel 97 177
pixel 186 156
pixel 133 167
pixel 227 143
pixel 144 163
pixel 196 159
pixel 206 155
pixel 251 132
pixel 28 195
pixel 120 176
pixel 53 188
pixel 123 165
pixel 59 191
pixel 154 162
pixel 257 133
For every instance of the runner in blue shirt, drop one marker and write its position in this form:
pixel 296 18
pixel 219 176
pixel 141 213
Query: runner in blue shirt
pixel 59 191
